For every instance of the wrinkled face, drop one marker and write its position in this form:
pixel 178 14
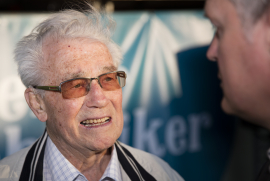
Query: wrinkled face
pixel 69 59
pixel 243 61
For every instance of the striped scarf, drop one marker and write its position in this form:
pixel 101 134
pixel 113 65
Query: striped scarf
pixel 33 165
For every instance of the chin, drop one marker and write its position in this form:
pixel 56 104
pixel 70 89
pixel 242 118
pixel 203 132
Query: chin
pixel 231 109
pixel 245 114
pixel 102 145
pixel 226 107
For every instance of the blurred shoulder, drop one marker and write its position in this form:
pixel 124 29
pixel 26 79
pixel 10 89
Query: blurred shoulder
pixel 11 166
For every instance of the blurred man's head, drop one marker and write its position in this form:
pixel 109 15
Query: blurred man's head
pixel 241 47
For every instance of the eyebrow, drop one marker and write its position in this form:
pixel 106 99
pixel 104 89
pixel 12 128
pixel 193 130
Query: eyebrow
pixel 76 75
pixel 109 68
pixel 82 74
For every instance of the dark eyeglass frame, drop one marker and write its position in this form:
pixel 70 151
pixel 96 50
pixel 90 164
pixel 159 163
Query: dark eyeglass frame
pixel 58 88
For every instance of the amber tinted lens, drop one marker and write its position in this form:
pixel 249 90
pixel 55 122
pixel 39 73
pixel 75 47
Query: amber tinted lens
pixel 109 81
pixel 75 88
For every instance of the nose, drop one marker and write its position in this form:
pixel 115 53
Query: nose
pixel 96 96
pixel 212 50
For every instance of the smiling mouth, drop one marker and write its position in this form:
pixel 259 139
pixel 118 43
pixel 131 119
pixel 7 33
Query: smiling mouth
pixel 95 122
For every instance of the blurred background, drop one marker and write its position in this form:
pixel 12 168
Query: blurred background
pixel 172 98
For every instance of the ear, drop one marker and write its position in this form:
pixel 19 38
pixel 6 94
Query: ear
pixel 36 104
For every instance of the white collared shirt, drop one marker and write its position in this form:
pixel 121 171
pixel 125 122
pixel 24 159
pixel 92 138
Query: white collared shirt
pixel 57 168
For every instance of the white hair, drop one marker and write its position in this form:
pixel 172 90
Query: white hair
pixel 250 11
pixel 66 24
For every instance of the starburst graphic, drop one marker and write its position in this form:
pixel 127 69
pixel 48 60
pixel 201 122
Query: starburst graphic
pixel 154 60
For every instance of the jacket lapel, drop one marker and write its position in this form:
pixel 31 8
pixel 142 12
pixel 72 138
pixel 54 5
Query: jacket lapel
pixel 131 166
pixel 33 165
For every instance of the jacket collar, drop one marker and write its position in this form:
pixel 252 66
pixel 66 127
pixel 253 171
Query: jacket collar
pixel 33 165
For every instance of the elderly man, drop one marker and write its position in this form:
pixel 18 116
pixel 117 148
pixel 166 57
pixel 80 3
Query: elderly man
pixel 241 47
pixel 69 66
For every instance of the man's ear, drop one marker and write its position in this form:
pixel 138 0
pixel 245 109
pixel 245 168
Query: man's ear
pixel 36 104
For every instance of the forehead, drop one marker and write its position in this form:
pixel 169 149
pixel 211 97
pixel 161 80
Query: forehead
pixel 68 59
pixel 218 9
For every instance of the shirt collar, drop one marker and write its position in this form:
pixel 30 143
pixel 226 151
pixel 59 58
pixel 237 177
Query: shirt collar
pixel 113 170
pixel 57 167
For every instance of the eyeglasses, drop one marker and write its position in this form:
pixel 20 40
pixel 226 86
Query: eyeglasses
pixel 79 87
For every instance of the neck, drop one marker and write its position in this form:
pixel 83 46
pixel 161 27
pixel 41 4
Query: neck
pixel 92 164
pixel 94 167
